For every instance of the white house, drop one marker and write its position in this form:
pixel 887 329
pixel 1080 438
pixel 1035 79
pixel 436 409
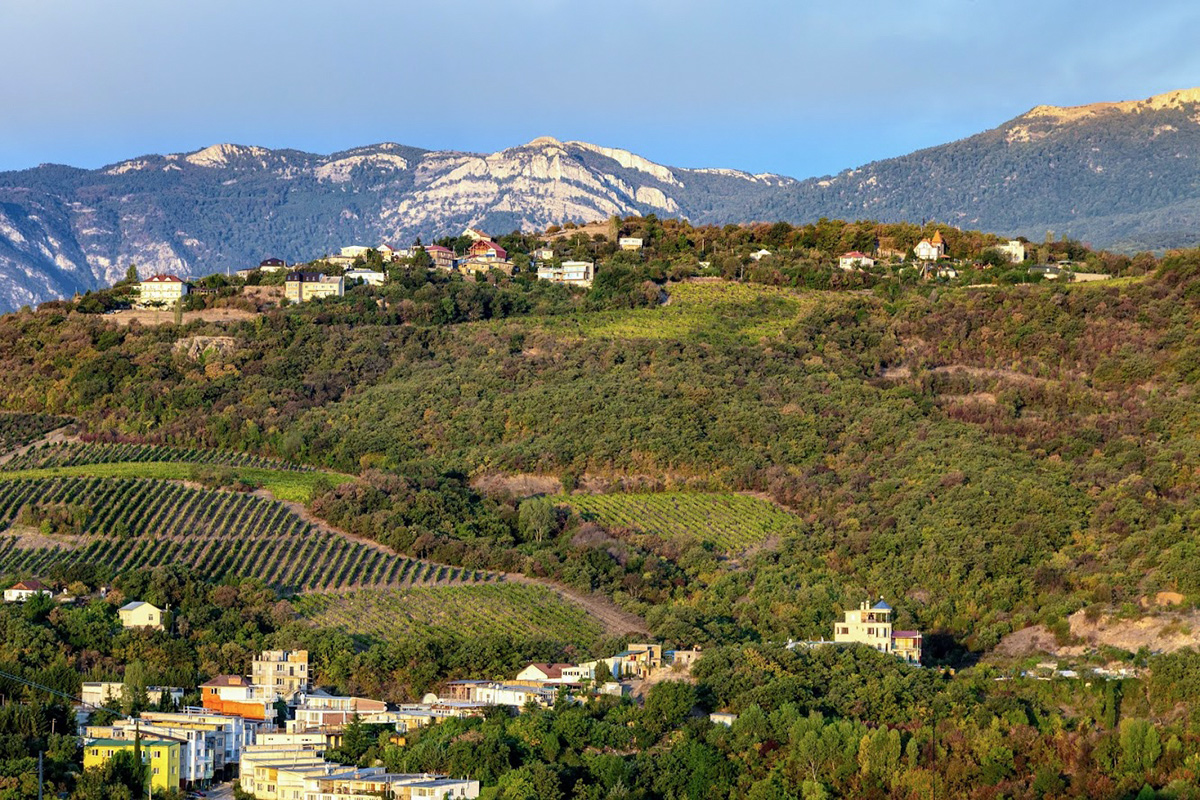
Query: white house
pixel 1014 251
pixel 629 243
pixel 162 289
pixel 854 260
pixel 354 251
pixel 760 255
pixel 24 590
pixel 574 273
pixel 367 276
pixel 546 673
pixel 931 249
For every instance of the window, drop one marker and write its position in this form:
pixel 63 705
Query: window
pixel 156 770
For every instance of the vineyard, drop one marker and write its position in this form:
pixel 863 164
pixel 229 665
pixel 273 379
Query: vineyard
pixel 486 609
pixel 128 524
pixel 17 430
pixel 732 522
pixel 72 454
pixel 697 311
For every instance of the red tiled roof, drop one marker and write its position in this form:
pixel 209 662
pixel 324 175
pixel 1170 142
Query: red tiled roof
pixel 906 634
pixel 855 254
pixel 437 248
pixel 163 278
pixel 495 248
pixel 32 585
pixel 551 670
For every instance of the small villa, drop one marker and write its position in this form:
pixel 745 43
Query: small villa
pixel 872 626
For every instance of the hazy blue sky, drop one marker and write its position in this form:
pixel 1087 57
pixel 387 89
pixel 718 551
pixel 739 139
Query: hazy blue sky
pixel 785 86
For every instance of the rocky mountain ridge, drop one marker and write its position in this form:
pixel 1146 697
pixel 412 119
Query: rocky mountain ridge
pixel 1115 174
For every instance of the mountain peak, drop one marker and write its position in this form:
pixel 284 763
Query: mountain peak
pixel 218 155
pixel 544 141
pixel 1063 114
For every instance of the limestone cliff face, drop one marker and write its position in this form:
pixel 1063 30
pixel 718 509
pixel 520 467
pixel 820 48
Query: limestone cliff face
pixel 1124 174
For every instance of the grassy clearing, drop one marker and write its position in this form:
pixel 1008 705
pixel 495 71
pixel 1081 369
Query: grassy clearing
pixel 717 311
pixel 514 610
pixel 731 522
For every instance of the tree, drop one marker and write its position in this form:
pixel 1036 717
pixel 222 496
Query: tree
pixel 536 520
pixel 133 693
pixel 131 273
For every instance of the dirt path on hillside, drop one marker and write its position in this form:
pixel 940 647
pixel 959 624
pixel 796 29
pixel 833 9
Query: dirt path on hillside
pixel 903 372
pixel 615 621
pixel 56 436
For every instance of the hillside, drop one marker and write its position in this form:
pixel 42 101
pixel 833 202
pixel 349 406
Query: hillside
pixel 1119 175
pixel 488 473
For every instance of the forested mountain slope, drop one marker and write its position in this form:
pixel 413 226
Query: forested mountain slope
pixel 1120 175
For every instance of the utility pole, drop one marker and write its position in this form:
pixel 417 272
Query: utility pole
pixel 40 774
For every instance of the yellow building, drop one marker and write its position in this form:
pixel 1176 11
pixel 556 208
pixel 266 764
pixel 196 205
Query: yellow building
pixel 160 756
pixel 138 614
pixel 301 287
pixel 283 671
pixel 872 626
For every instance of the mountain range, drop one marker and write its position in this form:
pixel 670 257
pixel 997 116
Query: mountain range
pixel 1119 175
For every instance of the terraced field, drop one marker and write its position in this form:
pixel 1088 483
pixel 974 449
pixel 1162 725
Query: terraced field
pixel 732 522
pixel 700 311
pixel 498 609
pixel 17 430
pixel 130 523
pixel 70 454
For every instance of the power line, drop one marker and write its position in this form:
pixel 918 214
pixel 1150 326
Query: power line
pixel 56 692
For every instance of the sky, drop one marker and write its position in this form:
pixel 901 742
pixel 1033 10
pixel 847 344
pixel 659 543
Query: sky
pixel 787 86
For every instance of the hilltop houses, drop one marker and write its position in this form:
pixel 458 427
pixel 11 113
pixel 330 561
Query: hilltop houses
pixel 572 273
pixel 487 250
pixel 443 257
pixel 853 260
pixel 931 249
pixel 161 290
pixel 300 287
pixel 1013 250
pixel 368 276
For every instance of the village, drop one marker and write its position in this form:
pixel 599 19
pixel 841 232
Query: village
pixel 270 728
pixel 332 275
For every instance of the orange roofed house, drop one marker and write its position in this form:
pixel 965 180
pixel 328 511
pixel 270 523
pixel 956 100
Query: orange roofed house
pixel 233 694
pixel 931 249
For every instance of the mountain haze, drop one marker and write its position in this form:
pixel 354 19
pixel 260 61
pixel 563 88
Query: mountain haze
pixel 1123 175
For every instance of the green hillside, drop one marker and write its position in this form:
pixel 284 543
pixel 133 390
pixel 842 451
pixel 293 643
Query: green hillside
pixel 1013 467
